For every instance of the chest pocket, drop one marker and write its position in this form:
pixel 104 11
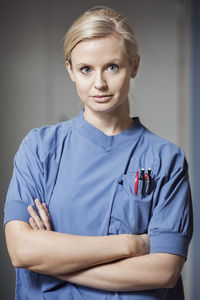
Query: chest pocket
pixel 131 212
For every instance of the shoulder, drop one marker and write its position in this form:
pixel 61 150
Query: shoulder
pixel 160 145
pixel 167 156
pixel 43 141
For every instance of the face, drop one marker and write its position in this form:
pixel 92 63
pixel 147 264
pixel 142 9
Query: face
pixel 101 71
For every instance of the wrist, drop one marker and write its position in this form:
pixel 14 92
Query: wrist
pixel 143 245
pixel 138 244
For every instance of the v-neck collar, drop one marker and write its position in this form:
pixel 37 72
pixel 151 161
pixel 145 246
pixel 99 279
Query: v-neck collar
pixel 104 141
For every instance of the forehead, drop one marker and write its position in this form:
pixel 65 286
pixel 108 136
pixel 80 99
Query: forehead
pixel 99 50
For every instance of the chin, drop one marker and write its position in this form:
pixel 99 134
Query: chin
pixel 105 110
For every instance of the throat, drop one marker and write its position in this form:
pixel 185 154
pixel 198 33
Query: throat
pixel 117 128
pixel 110 125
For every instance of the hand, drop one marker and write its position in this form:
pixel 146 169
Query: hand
pixel 42 220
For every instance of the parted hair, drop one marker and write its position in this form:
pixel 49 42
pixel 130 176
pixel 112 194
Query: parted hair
pixel 100 22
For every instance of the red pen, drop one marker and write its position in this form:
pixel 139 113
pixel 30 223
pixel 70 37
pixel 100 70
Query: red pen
pixel 136 183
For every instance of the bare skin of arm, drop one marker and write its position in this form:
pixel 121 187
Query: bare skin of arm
pixel 151 271
pixel 158 270
pixel 54 253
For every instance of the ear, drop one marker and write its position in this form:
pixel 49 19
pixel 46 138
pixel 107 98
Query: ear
pixel 135 66
pixel 69 69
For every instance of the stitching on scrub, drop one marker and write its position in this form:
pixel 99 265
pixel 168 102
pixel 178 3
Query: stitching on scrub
pixel 67 133
pixel 165 230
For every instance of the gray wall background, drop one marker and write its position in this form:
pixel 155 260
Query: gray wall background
pixel 36 90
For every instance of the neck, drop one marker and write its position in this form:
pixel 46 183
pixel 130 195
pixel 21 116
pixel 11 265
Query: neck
pixel 111 123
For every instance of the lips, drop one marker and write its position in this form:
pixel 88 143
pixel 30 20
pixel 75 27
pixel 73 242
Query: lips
pixel 101 98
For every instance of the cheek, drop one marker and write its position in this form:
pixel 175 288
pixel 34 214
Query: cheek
pixel 81 87
pixel 123 85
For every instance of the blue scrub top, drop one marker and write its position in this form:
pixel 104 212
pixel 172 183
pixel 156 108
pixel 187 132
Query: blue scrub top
pixel 87 180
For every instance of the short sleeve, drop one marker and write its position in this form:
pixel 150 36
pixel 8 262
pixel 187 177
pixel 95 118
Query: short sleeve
pixel 27 180
pixel 171 225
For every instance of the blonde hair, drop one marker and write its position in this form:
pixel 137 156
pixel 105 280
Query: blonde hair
pixel 100 22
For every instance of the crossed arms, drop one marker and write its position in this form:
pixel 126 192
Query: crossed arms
pixel 115 263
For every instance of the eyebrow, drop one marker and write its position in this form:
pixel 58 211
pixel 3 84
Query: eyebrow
pixel 82 64
pixel 114 60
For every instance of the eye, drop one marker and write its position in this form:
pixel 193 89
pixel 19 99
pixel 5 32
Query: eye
pixel 113 67
pixel 85 70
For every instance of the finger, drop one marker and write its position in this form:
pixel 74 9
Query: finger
pixel 46 209
pixel 49 226
pixel 36 218
pixel 43 215
pixel 33 224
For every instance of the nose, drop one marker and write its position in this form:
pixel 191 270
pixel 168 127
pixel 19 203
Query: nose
pixel 100 82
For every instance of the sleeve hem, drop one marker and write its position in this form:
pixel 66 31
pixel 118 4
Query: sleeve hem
pixel 169 242
pixel 16 210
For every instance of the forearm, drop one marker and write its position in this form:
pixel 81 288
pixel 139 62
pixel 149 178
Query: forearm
pixel 56 253
pixel 132 274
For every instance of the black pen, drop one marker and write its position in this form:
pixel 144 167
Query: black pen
pixel 149 173
pixel 142 177
pixel 141 174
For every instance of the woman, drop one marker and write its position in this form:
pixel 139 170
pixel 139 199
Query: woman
pixel 109 186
